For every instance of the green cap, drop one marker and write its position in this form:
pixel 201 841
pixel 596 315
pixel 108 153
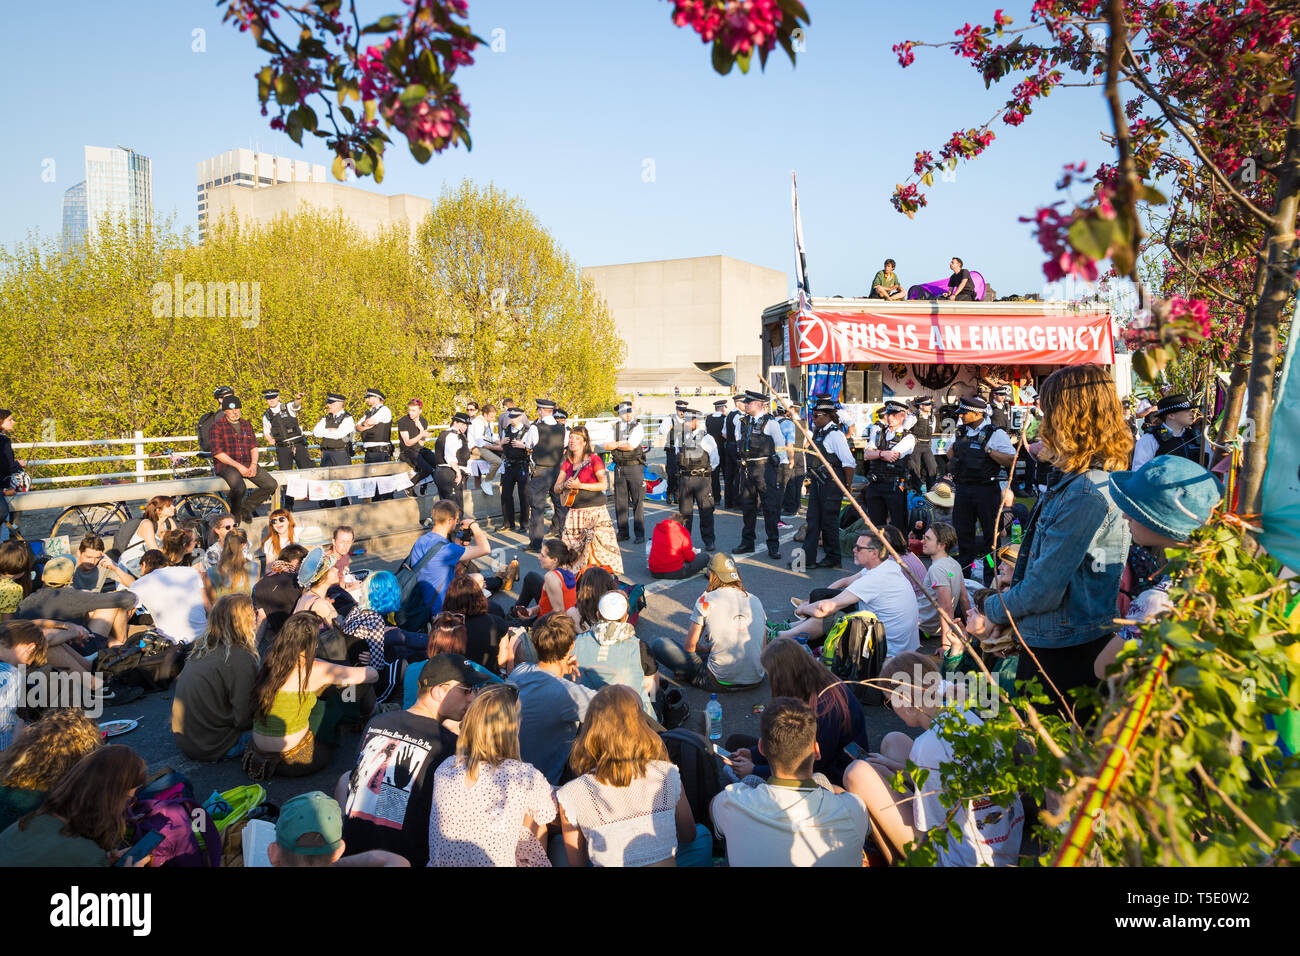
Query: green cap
pixel 310 824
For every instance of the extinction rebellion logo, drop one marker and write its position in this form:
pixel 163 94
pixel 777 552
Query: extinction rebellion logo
pixel 814 337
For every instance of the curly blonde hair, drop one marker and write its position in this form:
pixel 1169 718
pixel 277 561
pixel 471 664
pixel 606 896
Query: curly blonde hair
pixel 48 750
pixel 1083 423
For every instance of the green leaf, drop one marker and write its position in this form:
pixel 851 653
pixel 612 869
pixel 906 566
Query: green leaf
pixel 385 24
pixel 286 90
pixel 1085 240
pixel 722 60
pixel 306 118
pixel 742 61
pixel 413 94
pixel 928 179
pixel 293 126
pixel 265 77
pixel 420 152
pixel 1152 195
pixel 348 115
pixel 339 168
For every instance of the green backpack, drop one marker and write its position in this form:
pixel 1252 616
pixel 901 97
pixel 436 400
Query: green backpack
pixel 855 650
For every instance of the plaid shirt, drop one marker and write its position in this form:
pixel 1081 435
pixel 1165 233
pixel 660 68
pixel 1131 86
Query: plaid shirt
pixel 236 440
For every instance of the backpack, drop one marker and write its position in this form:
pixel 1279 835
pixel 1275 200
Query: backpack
pixel 856 650
pixel 204 429
pixel 123 535
pixel 413 614
pixel 700 771
pixel 166 805
pixel 149 662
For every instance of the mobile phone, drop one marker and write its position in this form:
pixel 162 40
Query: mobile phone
pixel 854 751
pixel 724 754
pixel 361 574
pixel 143 847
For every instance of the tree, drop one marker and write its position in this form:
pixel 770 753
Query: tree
pixel 517 314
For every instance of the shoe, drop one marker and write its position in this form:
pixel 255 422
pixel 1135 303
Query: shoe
pixel 426 523
pixel 801 533
pixel 788 514
pixel 744 548
pixel 774 554
pixel 535 548
pixel 773 630
pixel 828 563
pixel 511 576
pixel 781 525
pixel 639 539
pixel 488 488
pixel 624 536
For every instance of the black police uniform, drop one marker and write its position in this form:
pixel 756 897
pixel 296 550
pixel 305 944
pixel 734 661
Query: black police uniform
pixel 731 459
pixel 672 444
pixel 999 418
pixel 290 443
pixel 923 466
pixel 695 484
pixel 975 488
pixel 514 475
pixel 885 497
pixel 547 455
pixel 756 464
pixel 335 451
pixel 377 444
pixel 824 501
pixel 715 424
pixel 1187 445
pixel 444 476
pixel 629 483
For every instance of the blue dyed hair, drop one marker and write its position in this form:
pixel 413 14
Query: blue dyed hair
pixel 384 592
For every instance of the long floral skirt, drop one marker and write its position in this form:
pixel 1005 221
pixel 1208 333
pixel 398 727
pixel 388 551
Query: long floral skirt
pixel 590 534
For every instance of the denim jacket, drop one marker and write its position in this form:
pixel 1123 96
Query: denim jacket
pixel 1065 587
pixel 610 653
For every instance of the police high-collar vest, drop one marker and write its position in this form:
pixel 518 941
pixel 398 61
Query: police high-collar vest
pixel 285 429
pixel 729 428
pixel 878 468
pixel 675 432
pixel 714 425
pixel 755 443
pixel 923 430
pixel 691 457
pixel 971 462
pixel 998 417
pixel 1187 445
pixel 440 450
pixel 550 445
pixel 334 421
pixel 816 467
pixel 622 456
pixel 508 451
pixel 380 433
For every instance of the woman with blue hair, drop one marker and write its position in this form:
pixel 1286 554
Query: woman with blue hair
pixel 383 597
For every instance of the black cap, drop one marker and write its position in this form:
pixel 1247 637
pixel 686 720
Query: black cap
pixel 892 406
pixel 681 403
pixel 825 405
pixel 376 393
pixel 460 417
pixel 1174 402
pixel 271 393
pixel 623 407
pixel 973 404
pixel 720 403
pixel 739 397
pixel 560 414
pixel 692 412
pixel 450 667
pixel 515 413
pixel 1002 390
pixel 922 400
pixel 545 403
pixel 231 401
pixel 334 397
pixel 222 391
pixel 751 396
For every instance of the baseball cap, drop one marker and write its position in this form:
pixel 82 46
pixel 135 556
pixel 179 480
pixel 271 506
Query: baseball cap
pixel 58 572
pixel 612 606
pixel 310 824
pixel 451 667
pixel 724 567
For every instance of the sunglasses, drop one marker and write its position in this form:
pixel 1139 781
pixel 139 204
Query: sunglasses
pixel 279 521
pixel 863 547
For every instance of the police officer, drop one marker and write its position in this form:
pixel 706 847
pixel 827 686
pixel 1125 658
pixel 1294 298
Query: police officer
pixel 334 433
pixel 628 451
pixel 672 429
pixel 889 446
pixel 376 432
pixel 824 496
pixel 924 467
pixel 514 470
pixel 999 409
pixel 731 454
pixel 451 453
pixel 281 430
pixel 1173 432
pixel 976 459
pixel 716 425
pixel 759 457
pixel 545 438
pixel 696 460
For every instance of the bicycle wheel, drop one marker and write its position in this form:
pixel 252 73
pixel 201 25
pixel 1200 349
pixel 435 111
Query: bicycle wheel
pixel 81 520
pixel 199 507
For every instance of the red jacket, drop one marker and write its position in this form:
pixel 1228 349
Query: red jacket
pixel 670 548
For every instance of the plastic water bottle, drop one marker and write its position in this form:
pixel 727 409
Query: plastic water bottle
pixel 1016 532
pixel 713 717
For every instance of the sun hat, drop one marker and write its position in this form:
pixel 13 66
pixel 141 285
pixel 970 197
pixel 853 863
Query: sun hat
pixel 58 572
pixel 941 494
pixel 1169 494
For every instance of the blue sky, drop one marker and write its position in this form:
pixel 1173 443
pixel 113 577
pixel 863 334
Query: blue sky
pixel 584 93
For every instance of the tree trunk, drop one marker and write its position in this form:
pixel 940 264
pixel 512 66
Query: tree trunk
pixel 1240 367
pixel 1278 285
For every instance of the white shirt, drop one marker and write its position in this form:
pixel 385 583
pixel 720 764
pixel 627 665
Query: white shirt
pixel 773 431
pixel 706 442
pixel 1147 446
pixel 345 429
pixel 530 436
pixel 266 417
pixel 998 441
pixel 789 826
pixel 635 437
pixel 732 432
pixel 450 449
pixel 626 826
pixel 673 422
pixel 837 446
pixel 904 446
pixel 887 593
pixel 174 597
pixel 480 432
pixel 379 415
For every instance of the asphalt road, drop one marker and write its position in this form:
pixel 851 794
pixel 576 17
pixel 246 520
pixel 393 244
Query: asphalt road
pixel 667 613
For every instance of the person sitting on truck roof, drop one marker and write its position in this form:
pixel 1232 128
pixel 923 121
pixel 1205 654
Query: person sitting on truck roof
pixel 886 285
pixel 960 285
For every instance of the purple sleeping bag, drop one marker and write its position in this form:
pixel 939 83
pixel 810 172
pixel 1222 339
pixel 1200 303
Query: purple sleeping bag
pixel 932 290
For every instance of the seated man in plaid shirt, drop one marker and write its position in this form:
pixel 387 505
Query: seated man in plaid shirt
pixel 234 458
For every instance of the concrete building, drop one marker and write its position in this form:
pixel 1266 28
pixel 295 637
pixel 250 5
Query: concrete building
pixel 119 182
pixel 688 322
pixel 246 169
pixel 370 211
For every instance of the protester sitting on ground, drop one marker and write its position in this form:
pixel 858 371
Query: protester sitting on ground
pixel 447 635
pixel 22 645
pixel 552 703
pixel 1064 593
pixel 280 533
pixel 438 571
pixel 388 794
pixel 490 808
pixel 734 621
pixel 309 832
pixel 990 831
pixel 82 821
pixel 291 736
pixel 40 758
pixel 212 711
pixel 944 584
pixel 671 554
pixel 793 672
pixel 880 587
pixel 277 592
pixel 555 589
pixel 910 561
pixel 95 570
pixel 626 805
pixel 174 596
pixel 593 584
pixel 609 652
pixel 219 525
pixel 382 593
pixel 15 577
pixel 483 629
pixel 235 571
pixel 797 817
pixel 368 625
pixel 180 548
pixel 316 575
pixel 103 614
pixel 159 517
pixel 1165 501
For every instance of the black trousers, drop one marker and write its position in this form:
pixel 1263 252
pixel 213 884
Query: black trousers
pixel 629 496
pixel 886 503
pixel 541 481
pixel 924 468
pixel 730 475
pixel 687 570
pixel 824 503
pixel 423 463
pixel 240 499
pixel 445 478
pixel 759 491
pixel 671 469
pixel 793 492
pixel 716 478
pixel 514 482
pixel 288 457
pixel 976 503
pixel 334 457
pixel 377 456
pixel 697 490
pixel 1068 668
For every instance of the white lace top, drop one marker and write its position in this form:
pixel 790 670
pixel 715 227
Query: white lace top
pixel 626 826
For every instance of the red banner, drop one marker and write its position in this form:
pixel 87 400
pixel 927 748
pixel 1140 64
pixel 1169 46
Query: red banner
pixel 948 339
